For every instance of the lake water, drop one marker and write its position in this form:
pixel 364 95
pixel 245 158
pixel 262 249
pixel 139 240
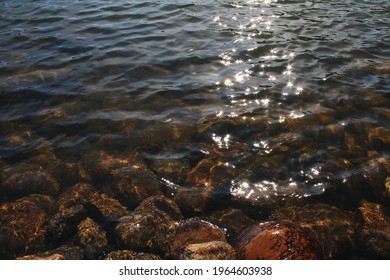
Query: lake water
pixel 254 104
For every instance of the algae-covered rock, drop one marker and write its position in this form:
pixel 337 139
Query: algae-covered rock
pixel 22 225
pixel 213 250
pixel 373 230
pixel 333 228
pixel 130 255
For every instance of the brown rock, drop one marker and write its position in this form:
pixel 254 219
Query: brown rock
pixel 69 251
pixel 142 231
pixel 22 226
pixel 134 184
pixel 213 250
pixel 210 174
pixel 50 257
pixel 162 204
pixel 379 135
pixel 192 200
pixel 91 238
pixel 373 230
pixel 83 193
pixel 234 220
pixel 333 228
pixel 24 179
pixel 277 241
pixel 194 231
pixel 63 225
pixel 130 255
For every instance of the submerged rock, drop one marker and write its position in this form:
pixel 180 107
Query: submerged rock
pixel 161 204
pixel 150 227
pixel 91 238
pixel 134 184
pixel 373 230
pixel 233 220
pixel 130 255
pixel 333 228
pixel 22 225
pixel 63 225
pixel 149 232
pixel 277 240
pixel 192 200
pixel 25 179
pixel 77 203
pixel 173 169
pixel 194 231
pixel 46 258
pixel 213 250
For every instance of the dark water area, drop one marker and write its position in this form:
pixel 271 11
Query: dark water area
pixel 257 106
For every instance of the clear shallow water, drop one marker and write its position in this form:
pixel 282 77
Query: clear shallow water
pixel 291 98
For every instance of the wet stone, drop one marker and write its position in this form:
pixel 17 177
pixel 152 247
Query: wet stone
pixel 63 225
pixel 22 227
pixel 149 232
pixel 160 203
pixel 91 238
pixel 268 168
pixel 24 179
pixel 374 174
pixel 373 230
pixel 277 240
pixel 233 220
pixel 193 231
pixel 134 184
pixel 192 200
pixel 47 258
pixel 87 195
pixel 333 228
pixel 175 170
pixel 69 251
pixel 213 250
pixel 380 135
pixel 69 173
pixel 130 255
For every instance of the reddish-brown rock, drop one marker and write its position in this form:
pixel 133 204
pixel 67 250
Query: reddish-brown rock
pixel 277 240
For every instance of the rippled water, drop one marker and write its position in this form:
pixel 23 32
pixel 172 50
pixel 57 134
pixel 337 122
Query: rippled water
pixel 289 99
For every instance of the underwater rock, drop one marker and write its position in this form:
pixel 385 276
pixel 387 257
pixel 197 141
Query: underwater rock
pixel 63 225
pixel 78 194
pixel 161 204
pixel 69 173
pixel 150 227
pixel 192 200
pixel 373 230
pixel 149 232
pixel 373 175
pixel 134 184
pixel 213 250
pixel 130 255
pixel 193 231
pixel 209 174
pixel 91 238
pixel 69 251
pixel 47 258
pixel 22 225
pixel 173 169
pixel 379 135
pixel 277 240
pixel 77 203
pixel 25 179
pixel 268 168
pixel 333 228
pixel 233 220
pixel 99 203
